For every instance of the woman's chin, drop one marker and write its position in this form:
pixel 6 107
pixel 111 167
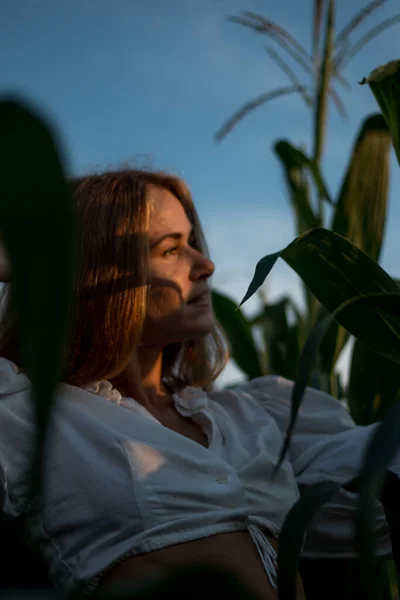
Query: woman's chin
pixel 193 333
pixel 173 330
pixel 193 330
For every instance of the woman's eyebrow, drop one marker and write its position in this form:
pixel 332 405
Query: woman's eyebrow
pixel 174 236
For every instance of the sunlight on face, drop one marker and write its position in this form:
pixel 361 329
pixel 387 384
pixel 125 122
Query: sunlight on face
pixel 179 307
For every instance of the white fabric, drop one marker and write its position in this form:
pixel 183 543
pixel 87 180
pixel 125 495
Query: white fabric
pixel 118 483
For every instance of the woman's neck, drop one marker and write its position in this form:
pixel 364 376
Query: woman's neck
pixel 142 380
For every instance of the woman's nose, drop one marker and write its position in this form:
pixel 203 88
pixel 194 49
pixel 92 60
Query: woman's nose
pixel 203 269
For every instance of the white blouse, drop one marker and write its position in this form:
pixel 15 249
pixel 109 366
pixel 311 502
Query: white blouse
pixel 118 483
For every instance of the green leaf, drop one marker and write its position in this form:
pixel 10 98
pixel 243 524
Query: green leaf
pixel 299 194
pixel 362 307
pixel 382 447
pixel 37 225
pixel 385 85
pixel 335 271
pixel 294 158
pixel 374 385
pixel 386 341
pixel 282 340
pixel 361 209
pixel 291 536
pixel 263 268
pixel 238 330
pixel 360 214
pixel 306 363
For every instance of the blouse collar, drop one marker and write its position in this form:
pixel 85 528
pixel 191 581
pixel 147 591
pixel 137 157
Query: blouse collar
pixel 189 398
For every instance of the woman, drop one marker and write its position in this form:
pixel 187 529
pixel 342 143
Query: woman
pixel 148 467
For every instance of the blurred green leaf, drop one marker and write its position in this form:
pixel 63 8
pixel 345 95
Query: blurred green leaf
pixel 383 445
pixel 386 342
pixel 294 158
pixel 385 85
pixel 299 194
pixel 282 341
pixel 306 364
pixel 238 330
pixel 360 214
pixel 37 224
pixel 292 533
pixel 374 385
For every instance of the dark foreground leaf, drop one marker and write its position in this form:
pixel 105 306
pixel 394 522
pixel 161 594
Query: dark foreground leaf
pixel 292 534
pixel 37 225
pixel 382 448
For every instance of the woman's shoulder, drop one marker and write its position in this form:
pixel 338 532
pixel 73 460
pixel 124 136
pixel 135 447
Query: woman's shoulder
pixel 318 410
pixel 12 379
pixel 260 388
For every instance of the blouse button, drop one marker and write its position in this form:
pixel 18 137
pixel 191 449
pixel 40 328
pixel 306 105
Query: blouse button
pixel 222 479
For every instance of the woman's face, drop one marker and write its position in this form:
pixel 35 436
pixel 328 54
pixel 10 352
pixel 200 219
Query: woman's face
pixel 179 307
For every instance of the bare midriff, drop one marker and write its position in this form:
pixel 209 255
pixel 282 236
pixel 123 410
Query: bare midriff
pixel 234 551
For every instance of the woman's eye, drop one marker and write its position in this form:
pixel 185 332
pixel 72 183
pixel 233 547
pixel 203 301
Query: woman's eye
pixel 170 251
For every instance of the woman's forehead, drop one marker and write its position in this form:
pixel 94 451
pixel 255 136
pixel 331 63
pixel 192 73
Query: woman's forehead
pixel 166 211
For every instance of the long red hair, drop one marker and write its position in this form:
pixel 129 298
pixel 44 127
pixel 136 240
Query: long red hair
pixel 112 284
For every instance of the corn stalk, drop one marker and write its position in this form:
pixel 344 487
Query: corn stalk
pixel 360 211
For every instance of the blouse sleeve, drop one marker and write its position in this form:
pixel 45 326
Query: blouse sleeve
pixel 326 445
pixel 16 443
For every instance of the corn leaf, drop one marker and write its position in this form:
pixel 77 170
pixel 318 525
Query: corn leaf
pixel 37 226
pixel 361 208
pixel 361 308
pixel 282 340
pixel 374 385
pixel 385 85
pixel 307 361
pixel 335 271
pixel 346 270
pixel 293 531
pixel 294 158
pixel 382 447
pixel 239 332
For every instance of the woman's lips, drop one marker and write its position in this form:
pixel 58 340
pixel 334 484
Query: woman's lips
pixel 202 298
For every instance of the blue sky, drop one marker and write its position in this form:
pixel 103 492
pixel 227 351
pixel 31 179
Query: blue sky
pixel 151 81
